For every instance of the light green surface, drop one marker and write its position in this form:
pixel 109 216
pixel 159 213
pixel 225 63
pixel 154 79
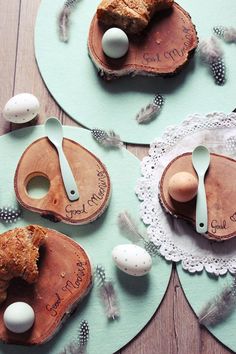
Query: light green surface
pixel 199 288
pixel 138 297
pixel 73 81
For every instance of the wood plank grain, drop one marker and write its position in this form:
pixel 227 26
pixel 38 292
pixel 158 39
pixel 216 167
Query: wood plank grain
pixel 9 12
pixel 174 328
pixel 27 76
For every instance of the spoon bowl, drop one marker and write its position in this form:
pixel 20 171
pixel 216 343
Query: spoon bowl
pixel 54 131
pixel 201 159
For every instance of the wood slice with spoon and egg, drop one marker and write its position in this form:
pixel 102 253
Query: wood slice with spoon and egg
pixel 80 185
pixel 178 189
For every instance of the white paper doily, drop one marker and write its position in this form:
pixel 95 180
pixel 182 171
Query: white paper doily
pixel 176 238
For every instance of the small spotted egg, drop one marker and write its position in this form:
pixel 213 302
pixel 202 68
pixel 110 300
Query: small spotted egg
pixel 132 259
pixel 115 43
pixel 19 317
pixel 21 108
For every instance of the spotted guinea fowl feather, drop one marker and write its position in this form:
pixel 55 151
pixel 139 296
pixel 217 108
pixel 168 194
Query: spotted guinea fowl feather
pixel 64 19
pixel 107 293
pixel 218 308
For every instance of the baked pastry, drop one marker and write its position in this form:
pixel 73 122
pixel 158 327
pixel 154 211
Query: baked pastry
pixel 130 15
pixel 19 252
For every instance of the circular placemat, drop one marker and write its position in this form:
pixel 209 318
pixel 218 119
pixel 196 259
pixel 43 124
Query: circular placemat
pixel 74 83
pixel 138 297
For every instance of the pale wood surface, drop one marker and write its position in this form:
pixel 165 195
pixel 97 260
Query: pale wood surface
pixel 174 328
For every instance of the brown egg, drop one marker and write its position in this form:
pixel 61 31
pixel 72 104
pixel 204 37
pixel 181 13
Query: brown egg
pixel 183 186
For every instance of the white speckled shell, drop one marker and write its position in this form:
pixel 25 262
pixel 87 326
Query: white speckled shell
pixel 21 108
pixel 132 259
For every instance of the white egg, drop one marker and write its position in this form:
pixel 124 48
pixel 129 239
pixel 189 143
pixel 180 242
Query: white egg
pixel 132 259
pixel 19 317
pixel 21 108
pixel 115 43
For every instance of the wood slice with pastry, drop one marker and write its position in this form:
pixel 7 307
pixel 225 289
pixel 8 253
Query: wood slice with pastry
pixel 220 193
pixel 53 287
pixel 161 36
pixel 92 178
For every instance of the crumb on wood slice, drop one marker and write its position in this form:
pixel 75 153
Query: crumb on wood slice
pixel 19 252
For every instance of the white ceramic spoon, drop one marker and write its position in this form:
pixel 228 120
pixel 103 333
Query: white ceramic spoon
pixel 201 161
pixel 54 133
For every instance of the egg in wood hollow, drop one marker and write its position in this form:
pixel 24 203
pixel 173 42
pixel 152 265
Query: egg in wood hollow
pixel 183 186
pixel 21 108
pixel 115 43
pixel 19 317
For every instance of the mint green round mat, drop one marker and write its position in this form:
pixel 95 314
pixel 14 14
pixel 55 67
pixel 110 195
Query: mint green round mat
pixel 199 288
pixel 74 83
pixel 139 297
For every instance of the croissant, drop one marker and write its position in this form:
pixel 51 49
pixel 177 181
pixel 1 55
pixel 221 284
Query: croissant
pixel 19 252
pixel 130 15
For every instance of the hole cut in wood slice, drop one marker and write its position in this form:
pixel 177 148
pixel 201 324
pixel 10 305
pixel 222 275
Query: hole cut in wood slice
pixel 162 49
pixel 92 179
pixel 63 281
pixel 220 193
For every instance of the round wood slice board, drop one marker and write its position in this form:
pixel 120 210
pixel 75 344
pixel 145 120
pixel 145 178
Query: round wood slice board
pixel 163 49
pixel 220 192
pixel 65 277
pixel 93 182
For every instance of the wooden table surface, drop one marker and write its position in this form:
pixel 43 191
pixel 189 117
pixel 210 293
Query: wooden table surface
pixel 174 328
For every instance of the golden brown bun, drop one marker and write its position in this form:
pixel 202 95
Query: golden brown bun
pixel 19 252
pixel 130 15
pixel 116 13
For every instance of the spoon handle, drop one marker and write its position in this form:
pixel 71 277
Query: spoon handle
pixel 67 177
pixel 201 207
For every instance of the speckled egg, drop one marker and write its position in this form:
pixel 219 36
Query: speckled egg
pixel 115 43
pixel 21 108
pixel 183 187
pixel 19 317
pixel 132 259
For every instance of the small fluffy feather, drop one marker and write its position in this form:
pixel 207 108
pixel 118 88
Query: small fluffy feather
pixel 219 307
pixel 147 113
pixel 230 35
pixel 151 248
pixel 151 110
pixel 78 347
pixel 107 294
pixel 210 50
pixel 110 139
pixel 127 225
pixel 64 19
